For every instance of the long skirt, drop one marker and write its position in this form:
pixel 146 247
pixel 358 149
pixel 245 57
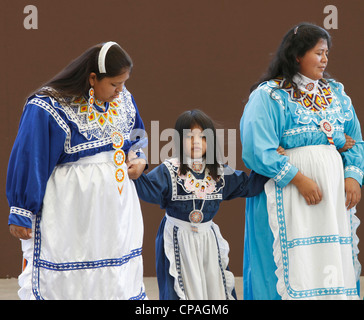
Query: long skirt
pixel 314 246
pixel 87 239
pixel 193 264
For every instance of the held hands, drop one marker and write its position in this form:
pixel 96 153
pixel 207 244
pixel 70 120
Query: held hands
pixel 135 165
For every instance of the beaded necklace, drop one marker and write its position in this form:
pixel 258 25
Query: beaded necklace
pixel 316 98
pixel 119 159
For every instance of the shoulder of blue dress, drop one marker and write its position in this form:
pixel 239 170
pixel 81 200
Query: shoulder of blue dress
pixel 171 162
pixel 338 89
pixel 40 97
pixel 225 170
pixel 273 90
pixel 273 83
pixel 272 87
pixel 46 102
pixel 337 86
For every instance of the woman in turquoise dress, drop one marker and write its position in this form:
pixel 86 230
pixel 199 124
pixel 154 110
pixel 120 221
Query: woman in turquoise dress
pixel 300 233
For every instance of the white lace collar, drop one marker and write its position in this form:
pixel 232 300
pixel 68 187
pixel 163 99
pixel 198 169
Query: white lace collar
pixel 197 165
pixel 306 84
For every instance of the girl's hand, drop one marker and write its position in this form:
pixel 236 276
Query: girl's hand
pixel 20 232
pixel 135 165
pixel 281 151
pixel 353 192
pixel 307 188
pixel 350 142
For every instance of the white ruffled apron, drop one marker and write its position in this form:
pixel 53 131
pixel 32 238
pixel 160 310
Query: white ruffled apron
pixel 198 260
pixel 88 239
pixel 315 247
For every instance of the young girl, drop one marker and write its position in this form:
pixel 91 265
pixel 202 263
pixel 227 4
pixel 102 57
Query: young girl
pixel 191 254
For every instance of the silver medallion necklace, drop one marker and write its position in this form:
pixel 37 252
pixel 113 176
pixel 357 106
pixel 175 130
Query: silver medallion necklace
pixel 196 216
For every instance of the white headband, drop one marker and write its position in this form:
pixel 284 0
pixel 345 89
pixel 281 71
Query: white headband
pixel 102 55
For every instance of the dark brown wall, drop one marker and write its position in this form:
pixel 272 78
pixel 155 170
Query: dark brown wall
pixel 187 54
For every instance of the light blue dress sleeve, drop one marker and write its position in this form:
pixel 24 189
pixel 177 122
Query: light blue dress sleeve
pixel 36 151
pixel 353 158
pixel 261 129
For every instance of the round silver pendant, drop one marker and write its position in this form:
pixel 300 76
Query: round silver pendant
pixel 196 216
pixel 326 127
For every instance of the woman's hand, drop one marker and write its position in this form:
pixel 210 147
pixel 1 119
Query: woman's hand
pixel 307 188
pixel 20 232
pixel 281 151
pixel 350 142
pixel 135 165
pixel 353 192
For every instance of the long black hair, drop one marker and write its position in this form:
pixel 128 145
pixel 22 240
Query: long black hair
pixel 187 121
pixel 295 44
pixel 73 80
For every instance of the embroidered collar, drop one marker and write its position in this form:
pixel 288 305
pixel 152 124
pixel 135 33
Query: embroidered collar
pixel 200 187
pixel 305 84
pixel 206 189
pixel 301 107
pixel 314 101
pixel 118 116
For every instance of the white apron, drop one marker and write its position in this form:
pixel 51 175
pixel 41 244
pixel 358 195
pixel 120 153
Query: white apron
pixel 315 247
pixel 198 261
pixel 88 241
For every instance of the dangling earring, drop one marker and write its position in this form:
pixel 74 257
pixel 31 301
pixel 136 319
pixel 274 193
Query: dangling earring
pixel 91 99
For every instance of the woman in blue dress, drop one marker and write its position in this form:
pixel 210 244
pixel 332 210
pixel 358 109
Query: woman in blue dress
pixel 300 233
pixel 191 254
pixel 72 201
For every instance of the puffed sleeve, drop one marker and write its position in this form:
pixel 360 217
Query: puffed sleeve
pixel 261 128
pixel 353 158
pixel 155 186
pixel 239 184
pixel 37 148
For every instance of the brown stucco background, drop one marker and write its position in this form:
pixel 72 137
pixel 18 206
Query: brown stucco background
pixel 187 54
